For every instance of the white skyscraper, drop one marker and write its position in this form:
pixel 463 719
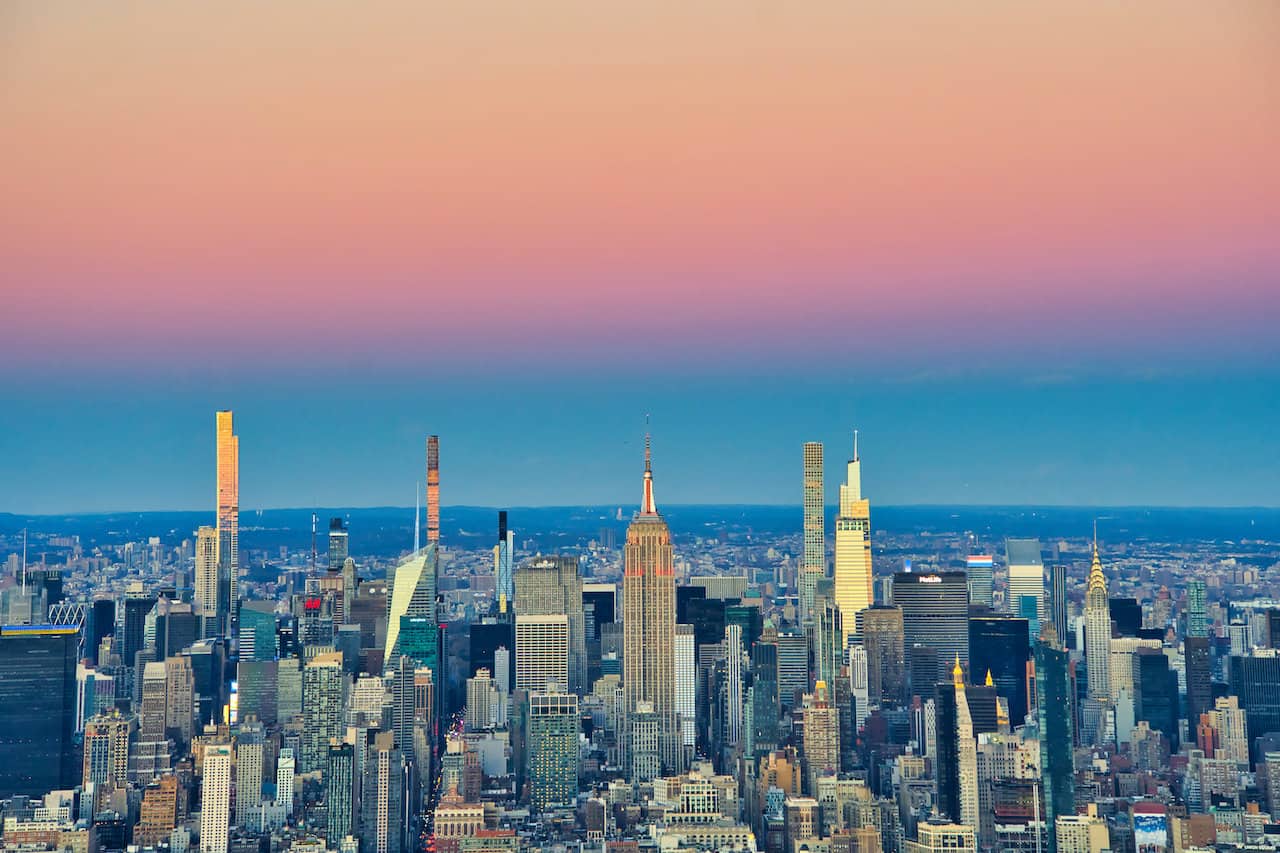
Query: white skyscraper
pixel 206 579
pixel 686 690
pixel 853 550
pixel 733 684
pixel 215 799
pixel 542 652
pixel 1026 577
pixel 285 767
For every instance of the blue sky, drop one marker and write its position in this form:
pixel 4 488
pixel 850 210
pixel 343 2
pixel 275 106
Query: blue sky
pixel 355 438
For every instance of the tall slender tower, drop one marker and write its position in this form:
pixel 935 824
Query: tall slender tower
pixel 433 489
pixel 815 528
pixel 1097 629
pixel 966 753
pixel 649 620
pixel 502 556
pixel 853 550
pixel 228 520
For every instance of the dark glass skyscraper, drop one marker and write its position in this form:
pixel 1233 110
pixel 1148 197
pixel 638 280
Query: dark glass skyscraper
pixel 1126 614
pixel 1199 678
pixel 1257 682
pixel 999 645
pixel 1156 692
pixel 37 709
pixel 1054 709
pixel 935 613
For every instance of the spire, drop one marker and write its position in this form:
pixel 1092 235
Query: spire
pixel 647 507
pixel 990 681
pixel 957 673
pixel 1097 580
pixel 855 445
pixel 417 516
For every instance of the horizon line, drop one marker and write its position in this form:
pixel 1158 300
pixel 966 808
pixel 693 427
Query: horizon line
pixel 544 507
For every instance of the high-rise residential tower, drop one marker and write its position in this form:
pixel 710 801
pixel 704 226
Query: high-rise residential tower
pixel 206 580
pixel 1197 615
pixel 433 489
pixel 215 799
pixel 338 548
pixel 503 553
pixel 1097 630
pixel 228 520
pixel 649 620
pixel 853 549
pixel 815 528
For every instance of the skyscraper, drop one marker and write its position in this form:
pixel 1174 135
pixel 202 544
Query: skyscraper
pixel 382 796
pixel 551 586
pixel 1057 597
pixel 821 736
pixel 815 527
pixel 882 637
pixel 1197 614
pixel 649 619
pixel 542 652
pixel 106 749
pixel 339 781
pixel 687 690
pixel 999 648
pixel 433 489
pixel 37 709
pixel 228 521
pixel 966 753
pixel 322 694
pixel 979 568
pixel 935 614
pixel 1097 630
pixel 206 580
pixel 1026 576
pixel 412 593
pixel 215 799
pixel 338 548
pixel 503 553
pixel 249 765
pixel 1054 706
pixel 1199 676
pixel 553 749
pixel 853 549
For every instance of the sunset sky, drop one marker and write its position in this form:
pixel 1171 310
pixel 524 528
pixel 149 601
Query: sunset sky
pixel 1032 250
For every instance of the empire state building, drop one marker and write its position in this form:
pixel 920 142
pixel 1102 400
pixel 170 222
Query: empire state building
pixel 649 621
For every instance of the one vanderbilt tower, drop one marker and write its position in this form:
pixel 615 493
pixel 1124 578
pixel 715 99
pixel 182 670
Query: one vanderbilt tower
pixel 853 549
pixel 649 620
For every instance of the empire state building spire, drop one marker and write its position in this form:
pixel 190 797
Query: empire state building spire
pixel 647 506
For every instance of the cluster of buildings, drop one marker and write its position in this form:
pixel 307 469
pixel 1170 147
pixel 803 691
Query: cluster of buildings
pixel 1014 702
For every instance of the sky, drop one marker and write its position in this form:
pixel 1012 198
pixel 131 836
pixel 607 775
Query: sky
pixel 1029 250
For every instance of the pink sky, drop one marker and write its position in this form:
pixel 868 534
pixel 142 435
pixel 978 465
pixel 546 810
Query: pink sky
pixel 749 178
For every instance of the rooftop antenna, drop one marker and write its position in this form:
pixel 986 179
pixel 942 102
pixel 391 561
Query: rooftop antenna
pixel 855 445
pixel 24 561
pixel 417 516
pixel 314 518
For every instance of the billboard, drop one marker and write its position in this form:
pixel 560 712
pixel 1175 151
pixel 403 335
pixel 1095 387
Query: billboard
pixel 1150 832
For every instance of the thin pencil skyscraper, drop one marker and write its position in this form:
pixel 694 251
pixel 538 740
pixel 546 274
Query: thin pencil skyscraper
pixel 815 528
pixel 853 550
pixel 228 521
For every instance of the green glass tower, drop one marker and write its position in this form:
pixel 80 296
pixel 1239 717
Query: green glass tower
pixel 1054 709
